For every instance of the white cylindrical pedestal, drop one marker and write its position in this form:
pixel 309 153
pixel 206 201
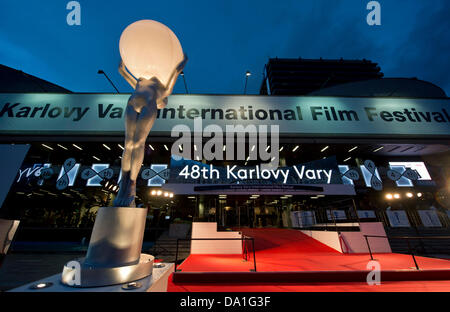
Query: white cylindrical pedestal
pixel 117 236
pixel 114 252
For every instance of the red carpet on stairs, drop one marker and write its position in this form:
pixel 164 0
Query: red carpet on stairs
pixel 289 256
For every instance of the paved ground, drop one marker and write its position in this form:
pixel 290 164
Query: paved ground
pixel 21 268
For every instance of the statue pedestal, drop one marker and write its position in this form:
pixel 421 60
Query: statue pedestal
pixel 157 282
pixel 114 252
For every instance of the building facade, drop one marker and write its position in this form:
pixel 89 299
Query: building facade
pixel 340 158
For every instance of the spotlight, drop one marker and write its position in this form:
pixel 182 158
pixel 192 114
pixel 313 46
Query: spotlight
pixel 389 196
pixel 158 192
pixel 396 195
pixel 419 194
pixel 171 195
pixel 153 192
pixel 409 195
pixel 166 194
pixel 41 285
pixel 131 286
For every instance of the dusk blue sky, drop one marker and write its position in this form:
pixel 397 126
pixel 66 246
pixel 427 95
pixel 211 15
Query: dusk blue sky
pixel 223 39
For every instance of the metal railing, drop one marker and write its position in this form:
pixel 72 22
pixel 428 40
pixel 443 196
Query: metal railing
pixel 407 238
pixel 243 240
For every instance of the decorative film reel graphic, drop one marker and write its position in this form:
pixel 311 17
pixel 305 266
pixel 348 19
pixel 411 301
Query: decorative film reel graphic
pixel 375 182
pixel 63 181
pixel 408 173
pixel 45 173
pixel 351 174
pixel 105 174
pixel 149 173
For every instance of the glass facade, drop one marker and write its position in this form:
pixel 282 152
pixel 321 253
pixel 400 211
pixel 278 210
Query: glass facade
pixel 376 193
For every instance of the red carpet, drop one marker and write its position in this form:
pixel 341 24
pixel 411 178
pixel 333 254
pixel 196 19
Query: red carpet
pixel 290 256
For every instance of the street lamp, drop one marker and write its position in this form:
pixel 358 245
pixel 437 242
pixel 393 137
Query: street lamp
pixel 247 74
pixel 184 80
pixel 101 72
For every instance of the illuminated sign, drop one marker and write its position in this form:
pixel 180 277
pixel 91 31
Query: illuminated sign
pixel 417 166
pixel 306 115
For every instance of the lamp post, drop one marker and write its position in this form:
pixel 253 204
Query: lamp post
pixel 152 59
pixel 100 72
pixel 247 74
pixel 184 80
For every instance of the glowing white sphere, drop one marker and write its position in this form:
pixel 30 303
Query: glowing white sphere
pixel 150 49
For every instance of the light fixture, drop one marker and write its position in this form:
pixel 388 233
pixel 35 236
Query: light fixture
pixel 120 146
pixel 180 147
pixel 352 149
pixel 151 147
pixel 324 149
pixel 96 158
pixel 159 265
pixel 63 147
pixel 41 285
pixel 419 194
pixel 409 195
pixel 149 42
pixel 170 195
pixel 158 192
pixel 378 149
pixel 253 148
pixel 101 72
pixel 131 286
pixel 281 149
pixel 107 147
pixel 50 148
pixel 295 148
pixel 247 74
pixel 347 159
pixel 153 192
pixel 224 147
pixel 165 146
pixel 267 148
pixel 396 195
pixel 76 146
pixel 195 147
pixel 166 194
pixel 389 196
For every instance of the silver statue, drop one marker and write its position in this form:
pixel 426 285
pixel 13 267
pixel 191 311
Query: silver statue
pixel 149 96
